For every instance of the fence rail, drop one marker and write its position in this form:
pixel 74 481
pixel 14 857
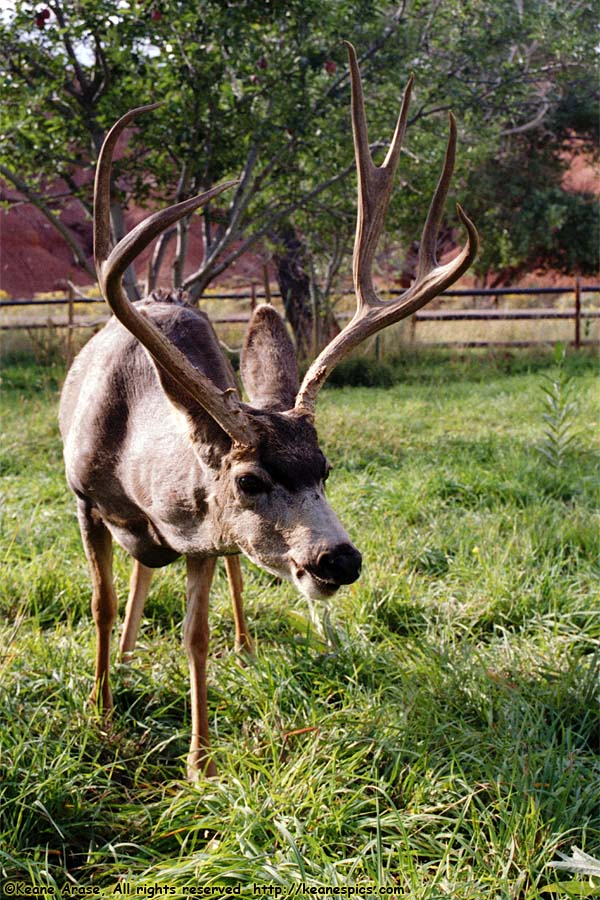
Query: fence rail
pixel 258 295
pixel 576 314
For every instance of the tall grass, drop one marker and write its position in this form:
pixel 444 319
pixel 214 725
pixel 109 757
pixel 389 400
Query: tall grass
pixel 433 733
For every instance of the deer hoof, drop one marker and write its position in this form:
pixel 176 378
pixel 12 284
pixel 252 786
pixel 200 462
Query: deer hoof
pixel 198 764
pixel 101 701
pixel 244 648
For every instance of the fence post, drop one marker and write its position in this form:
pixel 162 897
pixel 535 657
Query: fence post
pixel 577 313
pixel 413 328
pixel 70 320
pixel 266 284
pixel 252 297
pixel 377 349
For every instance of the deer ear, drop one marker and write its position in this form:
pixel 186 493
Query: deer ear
pixel 268 364
pixel 207 436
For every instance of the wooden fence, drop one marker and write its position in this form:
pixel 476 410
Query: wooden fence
pixel 577 314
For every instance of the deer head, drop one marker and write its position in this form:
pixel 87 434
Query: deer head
pixel 262 463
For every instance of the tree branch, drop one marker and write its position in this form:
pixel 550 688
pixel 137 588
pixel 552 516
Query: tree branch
pixel 533 123
pixel 243 194
pixel 81 78
pixel 37 201
pixel 203 276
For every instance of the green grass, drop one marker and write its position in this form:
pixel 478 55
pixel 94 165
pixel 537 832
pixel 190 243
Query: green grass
pixel 446 706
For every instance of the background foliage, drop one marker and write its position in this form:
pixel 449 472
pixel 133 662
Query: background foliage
pixel 260 90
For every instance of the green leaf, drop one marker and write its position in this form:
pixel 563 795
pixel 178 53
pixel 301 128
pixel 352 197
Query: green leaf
pixel 571 889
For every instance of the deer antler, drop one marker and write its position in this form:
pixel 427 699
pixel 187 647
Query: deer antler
pixel 223 406
pixel 374 191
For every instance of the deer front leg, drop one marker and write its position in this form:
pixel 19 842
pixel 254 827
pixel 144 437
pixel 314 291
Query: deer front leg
pixel 196 636
pixel 243 641
pixel 97 543
pixel 139 585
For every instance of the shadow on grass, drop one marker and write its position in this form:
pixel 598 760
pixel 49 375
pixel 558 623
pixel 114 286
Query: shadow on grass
pixel 424 365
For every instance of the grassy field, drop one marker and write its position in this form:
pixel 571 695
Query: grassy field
pixel 434 733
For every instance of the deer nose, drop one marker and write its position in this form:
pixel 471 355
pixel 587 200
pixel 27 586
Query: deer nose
pixel 339 566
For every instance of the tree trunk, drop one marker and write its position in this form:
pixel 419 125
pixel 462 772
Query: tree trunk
pixel 294 284
pixel 118 228
pixel 307 307
pixel 182 228
pixel 156 261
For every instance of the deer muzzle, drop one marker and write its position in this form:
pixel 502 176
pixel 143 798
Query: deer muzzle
pixel 337 566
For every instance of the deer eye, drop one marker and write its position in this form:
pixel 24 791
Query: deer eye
pixel 252 485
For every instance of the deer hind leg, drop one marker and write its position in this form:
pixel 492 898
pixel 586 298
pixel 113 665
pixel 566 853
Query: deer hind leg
pixel 196 636
pixel 243 641
pixel 97 543
pixel 139 585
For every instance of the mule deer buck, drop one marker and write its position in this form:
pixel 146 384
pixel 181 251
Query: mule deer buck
pixel 163 455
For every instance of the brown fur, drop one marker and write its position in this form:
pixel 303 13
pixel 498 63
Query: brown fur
pixel 154 471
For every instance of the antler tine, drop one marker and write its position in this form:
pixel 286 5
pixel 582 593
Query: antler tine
pixel 374 183
pixel 138 239
pixel 102 182
pixel 374 191
pixel 427 248
pixel 223 406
